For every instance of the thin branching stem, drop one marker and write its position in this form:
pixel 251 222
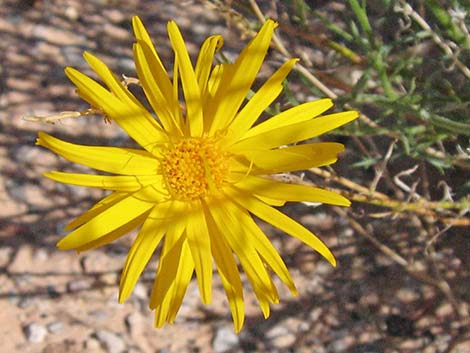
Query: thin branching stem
pixel 407 10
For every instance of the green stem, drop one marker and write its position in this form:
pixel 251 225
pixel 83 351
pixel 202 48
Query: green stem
pixel 445 20
pixel 333 27
pixel 381 67
pixel 445 123
pixel 361 15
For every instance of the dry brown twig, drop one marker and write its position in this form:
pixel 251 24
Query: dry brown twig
pixel 405 8
pixel 53 118
pixel 362 194
pixel 411 268
pixel 380 168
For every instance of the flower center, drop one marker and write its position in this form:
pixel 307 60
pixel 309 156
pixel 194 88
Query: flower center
pixel 195 167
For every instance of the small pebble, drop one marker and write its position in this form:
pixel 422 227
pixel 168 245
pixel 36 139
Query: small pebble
pixel 25 302
pixel 72 13
pixel 92 344
pixel 134 323
pixel 98 315
pixel 140 291
pixel 78 285
pixel 55 327
pixel 225 340
pixel 110 341
pixel 35 332
pixel 280 337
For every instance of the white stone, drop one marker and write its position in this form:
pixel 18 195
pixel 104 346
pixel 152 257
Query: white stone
pixel 225 340
pixel 35 332
pixel 55 327
pixel 281 337
pixel 110 341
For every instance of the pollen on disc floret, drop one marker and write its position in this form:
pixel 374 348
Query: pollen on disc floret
pixel 195 167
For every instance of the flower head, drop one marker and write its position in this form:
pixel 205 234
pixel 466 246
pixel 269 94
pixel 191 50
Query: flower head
pixel 202 172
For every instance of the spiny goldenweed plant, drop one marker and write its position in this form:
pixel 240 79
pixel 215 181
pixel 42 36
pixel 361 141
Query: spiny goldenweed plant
pixel 406 71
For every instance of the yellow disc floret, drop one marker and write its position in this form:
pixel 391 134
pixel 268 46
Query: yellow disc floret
pixel 195 167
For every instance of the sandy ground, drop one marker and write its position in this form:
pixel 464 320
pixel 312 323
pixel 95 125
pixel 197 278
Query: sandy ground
pixel 54 302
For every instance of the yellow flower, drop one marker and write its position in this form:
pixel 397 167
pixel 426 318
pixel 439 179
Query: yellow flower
pixel 202 171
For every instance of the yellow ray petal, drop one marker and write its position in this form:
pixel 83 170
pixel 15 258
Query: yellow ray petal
pixel 137 122
pixel 290 192
pixel 157 87
pixel 107 221
pixel 159 72
pixel 111 80
pixel 295 132
pixel 167 268
pixel 270 201
pixel 142 249
pixel 204 61
pixel 168 264
pixel 141 34
pixel 264 305
pixel 285 223
pixel 240 170
pixel 178 113
pixel 264 298
pixel 199 243
pixel 226 217
pixel 134 111
pixel 124 95
pixel 183 277
pixel 191 90
pixel 297 114
pixel 115 160
pixel 96 209
pixel 228 272
pixel 162 310
pixel 166 312
pixel 214 81
pixel 126 183
pixel 115 234
pixel 95 94
pixel 267 250
pixel 165 217
pixel 238 80
pixel 293 158
pixel 259 102
pixel 239 166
